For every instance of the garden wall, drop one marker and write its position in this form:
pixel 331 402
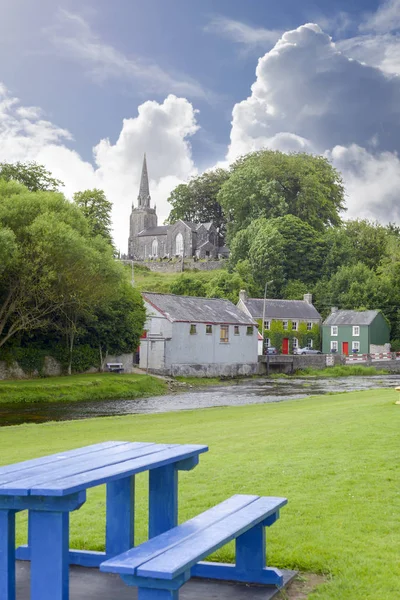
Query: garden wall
pixel 176 267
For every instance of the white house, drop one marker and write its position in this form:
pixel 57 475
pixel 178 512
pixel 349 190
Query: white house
pixel 203 337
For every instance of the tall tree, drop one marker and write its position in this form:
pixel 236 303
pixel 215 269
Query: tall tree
pixel 33 176
pixel 97 210
pixel 271 184
pixel 197 202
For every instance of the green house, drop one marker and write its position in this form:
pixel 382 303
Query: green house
pixel 349 331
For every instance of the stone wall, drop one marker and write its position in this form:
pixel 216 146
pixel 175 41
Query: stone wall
pixel 214 370
pixel 176 266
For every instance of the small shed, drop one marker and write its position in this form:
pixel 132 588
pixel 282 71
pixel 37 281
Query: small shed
pixel 355 332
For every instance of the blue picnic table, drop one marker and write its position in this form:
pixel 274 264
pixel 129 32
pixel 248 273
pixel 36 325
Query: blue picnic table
pixel 53 486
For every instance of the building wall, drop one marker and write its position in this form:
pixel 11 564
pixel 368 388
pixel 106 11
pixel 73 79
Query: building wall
pixel 345 334
pixel 141 218
pixel 144 245
pixel 379 331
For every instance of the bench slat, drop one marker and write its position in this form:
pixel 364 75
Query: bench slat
pixel 75 483
pixel 74 465
pixel 181 557
pixel 128 561
pixel 54 458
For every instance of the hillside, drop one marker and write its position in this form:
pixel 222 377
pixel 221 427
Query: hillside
pixel 161 282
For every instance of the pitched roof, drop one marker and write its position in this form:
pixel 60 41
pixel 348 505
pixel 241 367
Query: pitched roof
pixel 351 317
pixel 281 309
pixel 197 310
pixel 160 230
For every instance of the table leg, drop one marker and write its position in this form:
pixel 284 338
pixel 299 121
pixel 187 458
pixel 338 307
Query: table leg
pixel 120 516
pixel 155 594
pixel 49 555
pixel 7 554
pixel 163 499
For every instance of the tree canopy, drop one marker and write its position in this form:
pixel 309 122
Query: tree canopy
pixel 33 176
pixel 97 210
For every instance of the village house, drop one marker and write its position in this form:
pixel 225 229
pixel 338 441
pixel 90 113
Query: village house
pixel 294 315
pixel 202 337
pixel 353 331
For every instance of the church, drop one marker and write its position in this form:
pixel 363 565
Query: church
pixel 148 240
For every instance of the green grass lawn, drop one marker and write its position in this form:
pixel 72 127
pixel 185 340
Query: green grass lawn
pixel 97 386
pixel 336 458
pixel 341 371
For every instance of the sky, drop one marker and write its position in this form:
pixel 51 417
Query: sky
pixel 88 86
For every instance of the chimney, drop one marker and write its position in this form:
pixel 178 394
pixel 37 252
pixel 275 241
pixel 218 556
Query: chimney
pixel 307 298
pixel 334 309
pixel 243 296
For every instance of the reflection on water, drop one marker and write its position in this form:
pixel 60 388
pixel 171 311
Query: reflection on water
pixel 246 392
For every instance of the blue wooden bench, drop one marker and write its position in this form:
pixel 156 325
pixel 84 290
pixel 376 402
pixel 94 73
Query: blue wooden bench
pixel 160 566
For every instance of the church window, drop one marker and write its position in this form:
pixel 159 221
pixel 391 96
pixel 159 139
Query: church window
pixel 179 245
pixel 154 248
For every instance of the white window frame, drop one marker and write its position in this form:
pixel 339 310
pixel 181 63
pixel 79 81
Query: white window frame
pixel 309 325
pixel 334 345
pixel 309 343
pixel 179 244
pixel 355 345
pixel 267 342
pixel 295 342
pixel 154 248
pixel 334 330
pixel 267 324
pixel 294 326
pixel 356 330
pixel 285 325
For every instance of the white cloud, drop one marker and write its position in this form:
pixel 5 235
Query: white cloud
pixel 309 97
pixel 73 38
pixel 242 33
pixel 160 129
pixel 385 19
pixel 382 51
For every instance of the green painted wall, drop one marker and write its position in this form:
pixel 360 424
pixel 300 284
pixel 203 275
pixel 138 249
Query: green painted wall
pixel 376 333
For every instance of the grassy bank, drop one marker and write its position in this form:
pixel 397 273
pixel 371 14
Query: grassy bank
pixel 151 281
pixel 334 457
pixel 341 371
pixel 74 388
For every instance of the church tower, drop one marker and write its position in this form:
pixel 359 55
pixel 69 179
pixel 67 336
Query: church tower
pixel 143 217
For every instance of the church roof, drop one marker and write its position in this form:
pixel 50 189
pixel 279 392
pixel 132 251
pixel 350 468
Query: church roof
pixel 160 230
pixel 188 309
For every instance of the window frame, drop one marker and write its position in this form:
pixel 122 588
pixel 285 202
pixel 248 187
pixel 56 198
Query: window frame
pixel 267 325
pixel 354 345
pixel 295 342
pixel 193 329
pixel 285 325
pixel 334 331
pixel 295 325
pixel 236 330
pixel 309 325
pixel 224 339
pixel 208 329
pixel 356 331
pixel 310 343
pixel 334 345
pixel 250 330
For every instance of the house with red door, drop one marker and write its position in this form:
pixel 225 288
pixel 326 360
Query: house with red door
pixel 288 324
pixel 355 332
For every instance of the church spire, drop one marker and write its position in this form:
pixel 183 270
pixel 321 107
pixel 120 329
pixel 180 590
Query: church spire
pixel 144 191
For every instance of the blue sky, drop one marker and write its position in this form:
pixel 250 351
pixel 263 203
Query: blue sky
pixel 78 72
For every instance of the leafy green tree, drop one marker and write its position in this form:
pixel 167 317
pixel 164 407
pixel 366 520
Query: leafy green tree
pixel 295 289
pixel 197 202
pixel 33 176
pixel 97 210
pixel 270 184
pixel 8 248
pixel 188 285
pixel 225 285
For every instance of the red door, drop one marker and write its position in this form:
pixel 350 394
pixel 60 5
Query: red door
pixel 285 346
pixel 345 348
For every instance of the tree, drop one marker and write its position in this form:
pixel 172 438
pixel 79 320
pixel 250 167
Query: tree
pixel 225 285
pixel 270 184
pixel 188 285
pixel 33 176
pixel 197 202
pixel 97 210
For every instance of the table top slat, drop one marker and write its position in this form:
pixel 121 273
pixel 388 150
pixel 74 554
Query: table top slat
pixel 75 483
pixel 59 456
pixel 181 557
pixel 23 480
pixel 130 560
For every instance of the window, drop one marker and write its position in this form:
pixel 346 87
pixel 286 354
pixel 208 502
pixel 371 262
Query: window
pixel 355 346
pixel 267 324
pixel 356 330
pixel 267 342
pixel 334 346
pixel 295 343
pixel 224 334
pixel 309 326
pixel 250 330
pixel 309 343
pixel 236 330
pixel 334 330
pixel 179 245
pixel 294 325
pixel 208 329
pixel 193 329
pixel 154 248
pixel 285 324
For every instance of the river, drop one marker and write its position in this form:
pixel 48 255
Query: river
pixel 254 391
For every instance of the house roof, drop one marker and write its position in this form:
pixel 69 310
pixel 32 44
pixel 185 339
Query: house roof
pixel 197 310
pixel 281 309
pixel 160 230
pixel 351 317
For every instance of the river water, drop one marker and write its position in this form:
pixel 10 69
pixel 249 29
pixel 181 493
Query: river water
pixel 245 392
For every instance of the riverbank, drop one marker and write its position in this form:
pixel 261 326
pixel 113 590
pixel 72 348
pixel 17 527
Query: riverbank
pixel 335 459
pixel 79 388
